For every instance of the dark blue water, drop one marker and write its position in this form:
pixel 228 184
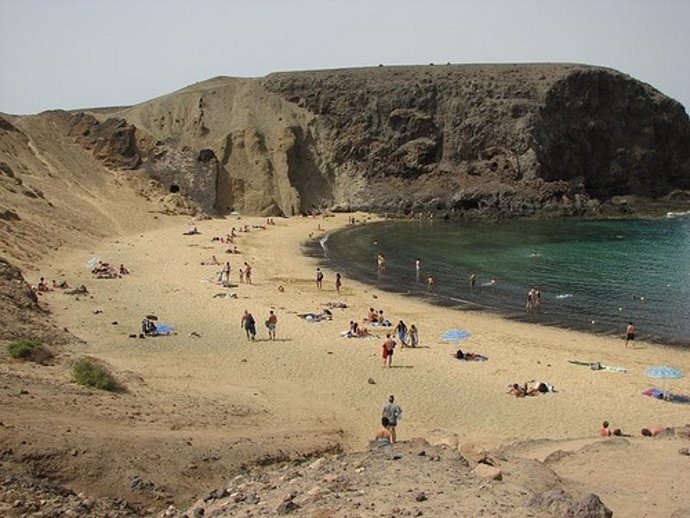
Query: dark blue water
pixel 593 275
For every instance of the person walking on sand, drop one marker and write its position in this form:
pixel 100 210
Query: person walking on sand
pixel 249 325
pixel 247 272
pixel 394 413
pixel 387 350
pixel 271 324
pixel 629 333
pixel 338 282
pixel 401 329
pixel 414 336
pixel 319 278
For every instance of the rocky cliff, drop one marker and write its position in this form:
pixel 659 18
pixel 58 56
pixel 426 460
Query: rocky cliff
pixel 463 139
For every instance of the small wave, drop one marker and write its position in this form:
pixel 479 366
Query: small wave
pixel 672 215
pixel 564 296
pixel 535 254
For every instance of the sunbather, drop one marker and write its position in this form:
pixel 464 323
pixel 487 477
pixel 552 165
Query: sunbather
pixel 516 390
pixel 652 431
pixel 469 356
pixel 604 430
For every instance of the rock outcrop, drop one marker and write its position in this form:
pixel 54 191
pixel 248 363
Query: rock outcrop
pixel 20 313
pixel 466 140
pixel 112 141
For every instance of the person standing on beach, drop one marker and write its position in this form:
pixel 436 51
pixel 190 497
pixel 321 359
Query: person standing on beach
pixel 629 333
pixel 226 271
pixel 393 412
pixel 319 278
pixel 414 336
pixel 338 282
pixel 248 272
pixel 249 325
pixel 401 329
pixel 387 350
pixel 271 324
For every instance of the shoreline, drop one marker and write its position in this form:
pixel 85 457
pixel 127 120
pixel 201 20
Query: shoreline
pixel 304 362
pixel 314 249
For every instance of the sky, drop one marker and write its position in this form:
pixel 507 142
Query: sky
pixel 88 53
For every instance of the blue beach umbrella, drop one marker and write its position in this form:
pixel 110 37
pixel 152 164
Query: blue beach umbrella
pixel 664 372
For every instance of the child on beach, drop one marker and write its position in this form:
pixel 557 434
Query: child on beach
pixel 414 336
pixel 604 430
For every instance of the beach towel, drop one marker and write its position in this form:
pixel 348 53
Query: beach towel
pixel 666 396
pixel 475 358
pixel 596 366
pixel 313 317
pixel 349 334
pixel 164 329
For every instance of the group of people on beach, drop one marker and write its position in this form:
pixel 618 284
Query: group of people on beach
pixel 248 323
pixel 529 388
pixel 338 280
pixel 649 431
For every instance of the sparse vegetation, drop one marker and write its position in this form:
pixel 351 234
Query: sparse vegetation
pixel 29 350
pixel 89 373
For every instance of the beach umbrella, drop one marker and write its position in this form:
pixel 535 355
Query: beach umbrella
pixel 455 335
pixel 665 373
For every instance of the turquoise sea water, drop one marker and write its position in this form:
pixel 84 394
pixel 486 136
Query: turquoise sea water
pixel 593 275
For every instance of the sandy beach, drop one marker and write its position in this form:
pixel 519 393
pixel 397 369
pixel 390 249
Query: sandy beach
pixel 314 384
pixel 311 372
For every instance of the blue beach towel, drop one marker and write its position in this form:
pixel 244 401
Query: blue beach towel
pixel 164 329
pixel 666 396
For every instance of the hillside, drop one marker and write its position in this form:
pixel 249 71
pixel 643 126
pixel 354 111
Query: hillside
pixel 506 139
pixel 465 140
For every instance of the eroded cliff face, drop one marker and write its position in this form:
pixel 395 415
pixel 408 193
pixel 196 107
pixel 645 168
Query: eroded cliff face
pixel 506 140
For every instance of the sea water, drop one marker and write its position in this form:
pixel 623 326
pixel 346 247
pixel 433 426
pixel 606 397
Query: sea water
pixel 593 275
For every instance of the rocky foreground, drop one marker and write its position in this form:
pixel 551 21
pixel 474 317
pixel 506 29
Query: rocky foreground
pixel 413 478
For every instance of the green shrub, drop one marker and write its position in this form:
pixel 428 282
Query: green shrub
pixel 30 350
pixel 89 373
